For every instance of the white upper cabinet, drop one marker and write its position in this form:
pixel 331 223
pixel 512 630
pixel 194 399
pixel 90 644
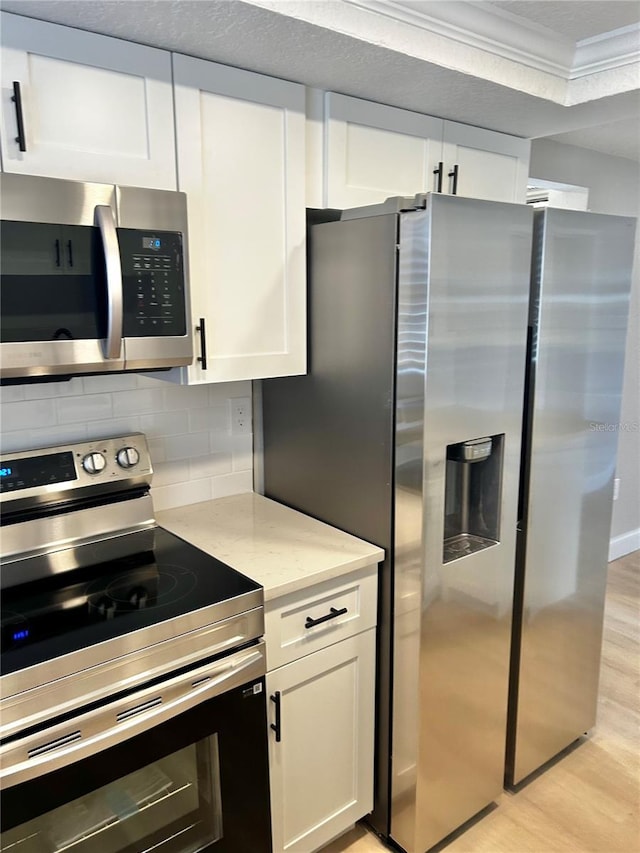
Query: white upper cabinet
pixel 374 151
pixel 489 165
pixel 241 161
pixel 94 108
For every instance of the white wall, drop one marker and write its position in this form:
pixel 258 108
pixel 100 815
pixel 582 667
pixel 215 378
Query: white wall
pixel 614 187
pixel 195 456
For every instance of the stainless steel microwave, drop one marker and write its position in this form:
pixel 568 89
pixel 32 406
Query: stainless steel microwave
pixel 93 279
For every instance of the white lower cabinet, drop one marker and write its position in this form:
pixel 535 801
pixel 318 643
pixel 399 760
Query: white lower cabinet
pixel 322 765
pixel 321 710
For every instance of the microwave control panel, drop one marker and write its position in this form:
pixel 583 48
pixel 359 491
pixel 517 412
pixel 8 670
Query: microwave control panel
pixel 153 283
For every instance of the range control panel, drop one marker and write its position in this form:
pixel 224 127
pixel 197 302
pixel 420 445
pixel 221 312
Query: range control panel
pixel 154 283
pixel 116 462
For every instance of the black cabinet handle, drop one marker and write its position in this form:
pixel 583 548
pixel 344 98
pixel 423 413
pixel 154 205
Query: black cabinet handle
pixel 70 253
pixel 438 172
pixel 454 174
pixel 332 614
pixel 202 358
pixel 276 726
pixel 57 253
pixel 17 100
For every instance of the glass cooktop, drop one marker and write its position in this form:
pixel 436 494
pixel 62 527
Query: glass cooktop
pixel 55 616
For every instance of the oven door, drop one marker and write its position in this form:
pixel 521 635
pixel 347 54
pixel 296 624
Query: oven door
pixel 177 767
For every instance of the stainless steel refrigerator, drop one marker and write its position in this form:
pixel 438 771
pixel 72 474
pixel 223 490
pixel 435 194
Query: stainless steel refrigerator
pixel 407 432
pixel 581 276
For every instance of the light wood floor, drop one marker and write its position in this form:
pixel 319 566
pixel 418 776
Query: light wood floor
pixel 589 801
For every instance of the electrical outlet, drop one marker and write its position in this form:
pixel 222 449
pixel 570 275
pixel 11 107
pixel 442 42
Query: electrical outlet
pixel 240 415
pixel 616 488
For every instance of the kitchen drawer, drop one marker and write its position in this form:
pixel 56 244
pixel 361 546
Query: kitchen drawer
pixel 286 634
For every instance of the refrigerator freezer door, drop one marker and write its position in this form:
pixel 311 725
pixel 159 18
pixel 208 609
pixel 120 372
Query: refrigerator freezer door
pixel 582 274
pixel 470 260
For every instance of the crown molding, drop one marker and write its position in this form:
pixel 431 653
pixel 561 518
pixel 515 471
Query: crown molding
pixel 498 32
pixel 607 51
pixel 484 27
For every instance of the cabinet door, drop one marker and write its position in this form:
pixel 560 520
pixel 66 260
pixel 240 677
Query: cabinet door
pixel 95 108
pixel 241 161
pixel 322 767
pixel 374 152
pixel 490 165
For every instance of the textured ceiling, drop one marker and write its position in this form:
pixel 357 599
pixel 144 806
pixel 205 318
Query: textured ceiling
pixel 243 35
pixel 620 138
pixel 576 19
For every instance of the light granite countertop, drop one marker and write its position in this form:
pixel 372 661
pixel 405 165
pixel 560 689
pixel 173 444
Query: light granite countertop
pixel 284 550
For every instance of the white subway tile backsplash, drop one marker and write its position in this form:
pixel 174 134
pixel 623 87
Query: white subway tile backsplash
pixel 11 393
pixel 138 401
pixel 115 426
pixel 12 441
pixel 194 454
pixel 102 384
pixel 210 466
pixel 49 436
pixel 166 497
pixel 169 423
pixel 187 446
pixel 27 413
pixel 215 418
pixel 46 390
pixel 87 407
pixel 178 397
pixel 221 392
pixel 157 450
pixel 242 461
pixel 232 484
pixel 169 473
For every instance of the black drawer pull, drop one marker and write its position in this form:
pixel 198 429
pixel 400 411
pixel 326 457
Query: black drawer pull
pixel 276 726
pixel 330 615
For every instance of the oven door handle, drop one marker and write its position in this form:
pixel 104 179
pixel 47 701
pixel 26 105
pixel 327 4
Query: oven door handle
pixel 102 728
pixel 106 222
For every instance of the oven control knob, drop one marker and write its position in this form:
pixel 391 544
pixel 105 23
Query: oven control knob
pixel 94 463
pixel 128 457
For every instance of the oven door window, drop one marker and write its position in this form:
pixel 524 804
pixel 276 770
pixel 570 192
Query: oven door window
pixel 196 782
pixel 170 805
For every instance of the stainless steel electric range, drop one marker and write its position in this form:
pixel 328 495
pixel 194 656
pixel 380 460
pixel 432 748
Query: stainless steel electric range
pixel 132 690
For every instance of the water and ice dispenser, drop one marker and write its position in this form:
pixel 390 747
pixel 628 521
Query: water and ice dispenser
pixel 472 496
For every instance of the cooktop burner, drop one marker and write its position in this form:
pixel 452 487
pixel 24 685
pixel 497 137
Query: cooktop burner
pixel 58 615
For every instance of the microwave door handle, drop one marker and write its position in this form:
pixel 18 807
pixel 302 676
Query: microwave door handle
pixel 106 222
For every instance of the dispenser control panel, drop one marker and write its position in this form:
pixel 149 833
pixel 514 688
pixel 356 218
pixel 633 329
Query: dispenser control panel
pixel 471 451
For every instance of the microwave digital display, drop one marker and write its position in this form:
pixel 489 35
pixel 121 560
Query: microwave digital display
pixel 151 243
